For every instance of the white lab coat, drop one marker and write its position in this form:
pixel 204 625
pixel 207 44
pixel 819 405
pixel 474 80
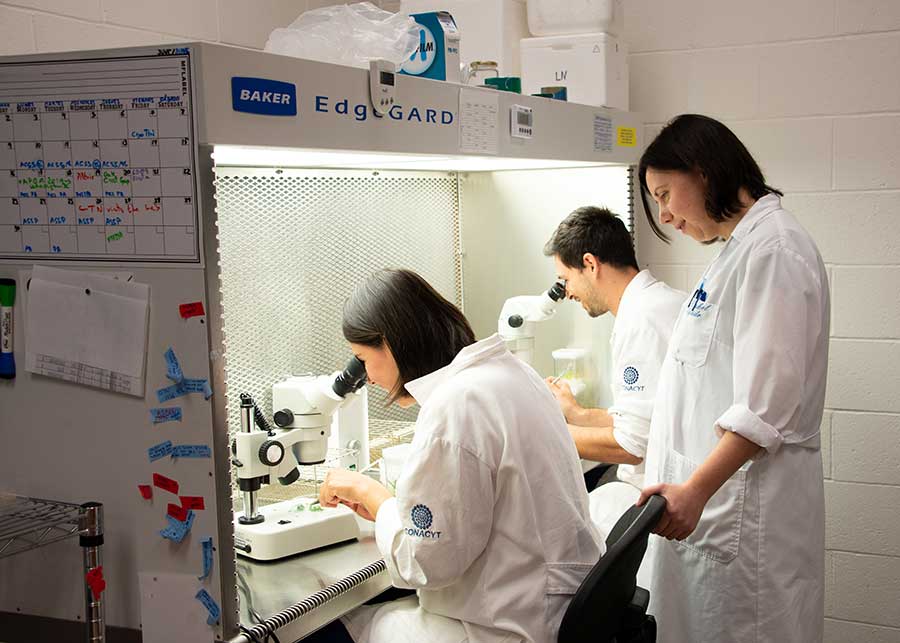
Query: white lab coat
pixel 639 341
pixel 490 522
pixel 748 354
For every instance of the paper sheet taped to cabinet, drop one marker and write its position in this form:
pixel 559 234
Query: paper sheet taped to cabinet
pixel 87 328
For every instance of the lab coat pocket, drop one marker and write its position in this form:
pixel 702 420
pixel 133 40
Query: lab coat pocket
pixel 693 335
pixel 718 534
pixel 563 580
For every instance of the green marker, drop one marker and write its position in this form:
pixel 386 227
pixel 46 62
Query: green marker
pixel 7 299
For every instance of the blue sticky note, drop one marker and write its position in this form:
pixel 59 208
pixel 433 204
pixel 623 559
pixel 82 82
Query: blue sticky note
pixel 173 368
pixel 165 414
pixel 210 605
pixel 160 450
pixel 171 392
pixel 197 386
pixel 207 545
pixel 177 530
pixel 191 451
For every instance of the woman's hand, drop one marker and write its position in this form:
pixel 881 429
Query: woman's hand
pixel 685 502
pixel 684 505
pixel 563 394
pixel 355 490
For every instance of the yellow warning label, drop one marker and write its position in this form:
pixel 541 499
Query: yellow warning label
pixel 626 136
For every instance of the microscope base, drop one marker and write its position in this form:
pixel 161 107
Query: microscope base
pixel 289 530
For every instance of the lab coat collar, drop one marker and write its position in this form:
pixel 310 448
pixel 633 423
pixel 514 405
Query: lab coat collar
pixel 422 388
pixel 643 279
pixel 757 212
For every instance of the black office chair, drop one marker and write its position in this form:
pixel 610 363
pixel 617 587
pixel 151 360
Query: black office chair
pixel 609 607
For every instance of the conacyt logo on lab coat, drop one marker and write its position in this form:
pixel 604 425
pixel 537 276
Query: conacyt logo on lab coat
pixel 422 518
pixel 630 377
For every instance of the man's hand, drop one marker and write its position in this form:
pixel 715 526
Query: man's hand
pixel 563 394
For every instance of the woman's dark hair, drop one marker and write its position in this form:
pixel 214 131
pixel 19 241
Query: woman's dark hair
pixel 423 330
pixel 695 143
pixel 596 231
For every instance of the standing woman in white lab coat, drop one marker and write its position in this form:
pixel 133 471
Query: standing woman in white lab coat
pixel 734 438
pixel 490 522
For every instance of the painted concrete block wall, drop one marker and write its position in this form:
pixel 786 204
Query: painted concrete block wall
pixel 811 88
pixel 37 26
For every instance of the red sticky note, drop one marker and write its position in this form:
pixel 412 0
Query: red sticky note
pixel 178 513
pixel 192 502
pixel 193 309
pixel 146 491
pixel 164 483
pixel 95 581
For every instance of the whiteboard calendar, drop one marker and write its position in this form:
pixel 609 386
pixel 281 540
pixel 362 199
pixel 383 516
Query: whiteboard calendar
pixel 97 159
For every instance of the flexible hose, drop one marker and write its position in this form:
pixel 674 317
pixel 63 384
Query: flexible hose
pixel 318 599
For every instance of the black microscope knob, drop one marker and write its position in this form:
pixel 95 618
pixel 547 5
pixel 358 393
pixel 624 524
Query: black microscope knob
pixel 284 418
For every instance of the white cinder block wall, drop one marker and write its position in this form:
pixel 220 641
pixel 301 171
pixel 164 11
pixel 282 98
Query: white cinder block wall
pixel 812 87
pixel 37 26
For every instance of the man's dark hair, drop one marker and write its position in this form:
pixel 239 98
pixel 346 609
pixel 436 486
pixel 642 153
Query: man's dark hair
pixel 594 230
pixel 695 143
pixel 423 330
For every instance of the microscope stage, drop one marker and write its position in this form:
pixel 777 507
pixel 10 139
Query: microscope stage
pixel 292 527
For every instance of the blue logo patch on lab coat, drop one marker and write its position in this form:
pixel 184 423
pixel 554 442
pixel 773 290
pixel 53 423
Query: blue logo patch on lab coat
pixel 695 306
pixel 421 516
pixel 263 96
pixel 630 375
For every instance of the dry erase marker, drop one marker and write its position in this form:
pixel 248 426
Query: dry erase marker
pixel 7 299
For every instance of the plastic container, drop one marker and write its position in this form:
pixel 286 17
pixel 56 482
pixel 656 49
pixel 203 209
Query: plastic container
pixel 570 366
pixel 592 67
pixel 393 460
pixel 558 17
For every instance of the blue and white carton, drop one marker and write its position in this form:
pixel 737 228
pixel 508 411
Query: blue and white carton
pixel 437 55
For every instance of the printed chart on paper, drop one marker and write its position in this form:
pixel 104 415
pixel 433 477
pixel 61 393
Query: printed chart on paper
pixel 97 159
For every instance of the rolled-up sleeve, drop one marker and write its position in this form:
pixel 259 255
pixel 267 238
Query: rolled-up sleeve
pixel 631 428
pixel 441 518
pixel 776 322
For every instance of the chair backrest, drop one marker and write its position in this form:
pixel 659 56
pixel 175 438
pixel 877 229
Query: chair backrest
pixel 597 607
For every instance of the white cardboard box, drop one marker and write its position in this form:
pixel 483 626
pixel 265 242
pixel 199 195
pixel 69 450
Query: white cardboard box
pixel 557 17
pixel 592 67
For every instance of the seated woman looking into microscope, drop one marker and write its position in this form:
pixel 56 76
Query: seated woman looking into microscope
pixel 485 523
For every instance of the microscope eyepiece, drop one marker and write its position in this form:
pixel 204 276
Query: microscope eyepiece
pixel 351 379
pixel 557 291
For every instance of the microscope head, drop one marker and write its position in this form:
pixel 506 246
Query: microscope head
pixel 305 406
pixel 518 313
